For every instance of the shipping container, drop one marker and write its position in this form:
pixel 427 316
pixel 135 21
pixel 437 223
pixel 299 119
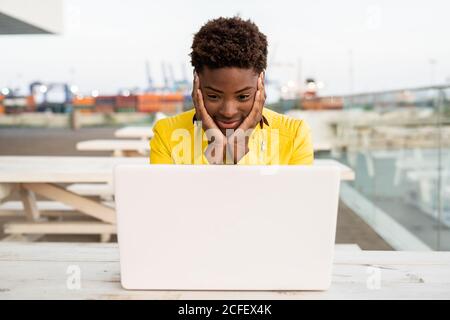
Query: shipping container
pixel 2 107
pixel 54 107
pixel 126 103
pixel 325 103
pixel 173 97
pixel 148 102
pixel 105 104
pixel 84 104
pixel 167 103
pixel 14 105
pixel 30 104
pixel 83 101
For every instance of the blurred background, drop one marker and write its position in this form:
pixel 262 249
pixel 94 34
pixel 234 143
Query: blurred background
pixel 372 79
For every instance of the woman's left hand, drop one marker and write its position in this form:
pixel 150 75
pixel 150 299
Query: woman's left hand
pixel 235 144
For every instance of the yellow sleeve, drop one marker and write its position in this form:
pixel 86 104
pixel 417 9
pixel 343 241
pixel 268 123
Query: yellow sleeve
pixel 303 152
pixel 159 145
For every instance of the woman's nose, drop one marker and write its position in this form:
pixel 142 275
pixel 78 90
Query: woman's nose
pixel 228 110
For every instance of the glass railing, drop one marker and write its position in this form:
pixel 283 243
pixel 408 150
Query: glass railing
pixel 398 143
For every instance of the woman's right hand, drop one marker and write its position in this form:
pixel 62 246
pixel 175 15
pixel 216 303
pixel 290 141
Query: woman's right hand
pixel 215 152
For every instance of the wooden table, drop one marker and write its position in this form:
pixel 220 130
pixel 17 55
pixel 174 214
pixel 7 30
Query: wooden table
pixel 347 174
pixel 45 270
pixel 322 146
pixel 118 147
pixel 144 133
pixel 30 175
pixel 139 132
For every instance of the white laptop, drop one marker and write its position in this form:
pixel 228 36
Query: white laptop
pixel 188 227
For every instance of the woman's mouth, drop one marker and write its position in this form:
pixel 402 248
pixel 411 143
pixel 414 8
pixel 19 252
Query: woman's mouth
pixel 228 124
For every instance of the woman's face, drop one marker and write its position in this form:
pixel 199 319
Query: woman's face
pixel 228 94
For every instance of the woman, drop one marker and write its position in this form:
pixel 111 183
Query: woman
pixel 229 123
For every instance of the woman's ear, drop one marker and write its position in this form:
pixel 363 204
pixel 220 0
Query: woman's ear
pixel 262 75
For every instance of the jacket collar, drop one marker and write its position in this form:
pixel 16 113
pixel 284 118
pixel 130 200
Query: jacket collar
pixel 261 123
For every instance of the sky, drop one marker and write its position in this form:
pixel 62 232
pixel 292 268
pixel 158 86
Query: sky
pixel 350 45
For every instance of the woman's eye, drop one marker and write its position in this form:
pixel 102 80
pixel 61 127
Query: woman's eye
pixel 212 96
pixel 244 97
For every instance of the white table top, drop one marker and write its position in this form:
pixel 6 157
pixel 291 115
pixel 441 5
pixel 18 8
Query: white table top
pixel 113 144
pixel 322 146
pixel 347 173
pixel 134 132
pixel 21 169
pixel 61 169
pixel 42 270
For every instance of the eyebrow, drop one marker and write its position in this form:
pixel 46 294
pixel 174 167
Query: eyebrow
pixel 213 89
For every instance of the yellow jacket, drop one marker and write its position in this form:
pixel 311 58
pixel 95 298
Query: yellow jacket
pixel 279 139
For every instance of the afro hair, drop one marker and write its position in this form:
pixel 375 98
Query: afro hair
pixel 229 42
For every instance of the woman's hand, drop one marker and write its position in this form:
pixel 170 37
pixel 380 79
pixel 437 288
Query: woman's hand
pixel 237 143
pixel 215 152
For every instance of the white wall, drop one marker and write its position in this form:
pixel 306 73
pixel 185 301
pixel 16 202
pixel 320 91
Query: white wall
pixel 44 14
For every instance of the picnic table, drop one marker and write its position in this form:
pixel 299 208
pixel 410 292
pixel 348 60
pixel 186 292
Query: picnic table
pixel 31 175
pixel 134 132
pixel 46 271
pixel 322 146
pixel 118 147
pixel 139 132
